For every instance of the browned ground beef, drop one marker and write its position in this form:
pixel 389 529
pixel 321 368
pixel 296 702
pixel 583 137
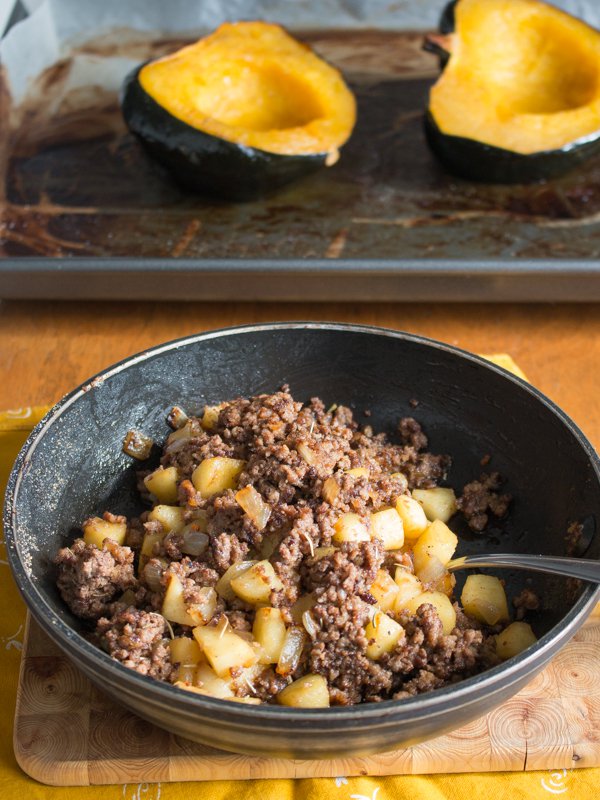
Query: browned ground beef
pixel 138 640
pixel 526 600
pixel 89 578
pixel 482 497
pixel 290 452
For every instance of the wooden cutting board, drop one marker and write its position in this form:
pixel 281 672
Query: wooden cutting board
pixel 68 734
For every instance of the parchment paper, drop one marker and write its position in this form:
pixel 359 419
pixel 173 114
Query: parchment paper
pixel 56 26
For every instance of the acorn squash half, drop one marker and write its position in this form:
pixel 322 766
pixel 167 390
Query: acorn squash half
pixel 240 112
pixel 519 96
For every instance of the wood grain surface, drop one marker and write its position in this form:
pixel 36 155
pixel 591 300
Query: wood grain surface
pixel 66 732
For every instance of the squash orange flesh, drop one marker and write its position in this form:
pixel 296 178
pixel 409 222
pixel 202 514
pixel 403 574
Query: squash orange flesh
pixel 253 84
pixel 522 76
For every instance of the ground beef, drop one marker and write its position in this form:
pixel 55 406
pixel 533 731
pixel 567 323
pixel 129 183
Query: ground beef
pixel 137 639
pixel 225 550
pixel 310 465
pixel 526 600
pixel 338 651
pixel 411 433
pixel 351 569
pixel 89 578
pixel 426 658
pixel 482 497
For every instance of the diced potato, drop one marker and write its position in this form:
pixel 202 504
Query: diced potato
pixel 202 611
pixel 208 682
pixel 439 503
pixel 170 517
pixel 256 584
pixel 330 490
pixel 291 651
pixel 437 542
pixel 210 417
pixel 409 586
pixel 151 539
pixel 162 483
pixel 174 608
pixel 483 597
pixel 199 519
pixel 384 590
pixel 223 586
pixel 224 649
pixel 517 637
pixel 383 633
pixel 387 526
pixel 358 472
pixel 412 515
pixel 245 678
pixel 302 604
pixel 442 605
pixel 310 691
pixel 269 631
pixel 254 506
pixel 350 528
pixel 96 530
pixel 214 475
pixel 185 651
pixel 250 701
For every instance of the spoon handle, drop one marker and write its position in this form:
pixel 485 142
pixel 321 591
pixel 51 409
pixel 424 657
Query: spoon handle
pixel 583 568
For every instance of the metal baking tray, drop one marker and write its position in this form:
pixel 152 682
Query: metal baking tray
pixel 86 215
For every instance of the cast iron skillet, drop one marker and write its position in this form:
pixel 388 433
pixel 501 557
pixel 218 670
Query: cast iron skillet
pixel 72 466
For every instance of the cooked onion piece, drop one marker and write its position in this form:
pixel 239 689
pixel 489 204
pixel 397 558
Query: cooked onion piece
pixel 291 652
pixel 254 506
pixel 137 445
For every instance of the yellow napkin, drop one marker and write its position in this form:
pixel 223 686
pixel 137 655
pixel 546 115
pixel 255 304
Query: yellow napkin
pixel 579 784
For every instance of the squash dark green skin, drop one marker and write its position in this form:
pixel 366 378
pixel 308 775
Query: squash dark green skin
pixel 205 163
pixel 446 25
pixel 478 161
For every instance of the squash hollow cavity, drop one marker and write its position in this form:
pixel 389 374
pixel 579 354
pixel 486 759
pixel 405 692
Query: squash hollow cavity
pixel 252 83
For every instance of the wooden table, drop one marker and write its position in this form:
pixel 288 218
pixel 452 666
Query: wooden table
pixel 47 349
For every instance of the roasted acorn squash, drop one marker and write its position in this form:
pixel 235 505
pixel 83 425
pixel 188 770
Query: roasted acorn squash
pixel 519 96
pixel 240 112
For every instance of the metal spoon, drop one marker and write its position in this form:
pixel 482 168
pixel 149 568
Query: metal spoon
pixel 584 568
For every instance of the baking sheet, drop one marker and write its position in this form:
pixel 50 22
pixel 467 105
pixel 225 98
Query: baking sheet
pixel 85 213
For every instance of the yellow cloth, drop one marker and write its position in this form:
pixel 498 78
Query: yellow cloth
pixel 579 784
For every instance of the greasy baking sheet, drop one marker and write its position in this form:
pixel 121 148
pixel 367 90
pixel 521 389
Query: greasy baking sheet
pixel 85 213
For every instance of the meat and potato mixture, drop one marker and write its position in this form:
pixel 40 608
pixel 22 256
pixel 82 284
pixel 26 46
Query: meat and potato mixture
pixel 291 557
